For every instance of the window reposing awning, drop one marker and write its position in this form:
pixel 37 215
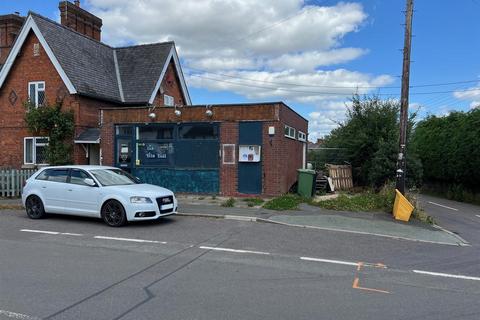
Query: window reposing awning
pixel 90 135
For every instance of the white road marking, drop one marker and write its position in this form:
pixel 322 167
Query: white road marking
pixel 39 231
pixel 129 239
pixel 446 275
pixel 15 315
pixel 346 263
pixel 233 250
pixel 441 205
pixel 52 232
pixel 477 215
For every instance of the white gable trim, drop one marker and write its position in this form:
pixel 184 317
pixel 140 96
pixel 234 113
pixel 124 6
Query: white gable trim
pixel 31 25
pixel 172 54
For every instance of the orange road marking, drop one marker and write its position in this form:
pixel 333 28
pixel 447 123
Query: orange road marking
pixel 356 286
pixel 356 280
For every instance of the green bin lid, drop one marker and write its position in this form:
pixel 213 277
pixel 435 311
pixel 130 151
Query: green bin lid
pixel 306 171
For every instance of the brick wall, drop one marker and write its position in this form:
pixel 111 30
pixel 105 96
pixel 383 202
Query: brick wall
pixel 10 25
pixel 258 112
pixel 171 86
pixel 291 150
pixel 87 115
pixel 281 156
pixel 28 68
pixel 229 172
pixel 80 20
pixel 272 157
pixel 107 134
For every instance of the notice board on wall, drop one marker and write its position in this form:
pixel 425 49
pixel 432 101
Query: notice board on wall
pixel 249 153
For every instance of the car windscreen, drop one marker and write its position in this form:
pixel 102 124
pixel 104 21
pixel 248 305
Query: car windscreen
pixel 113 177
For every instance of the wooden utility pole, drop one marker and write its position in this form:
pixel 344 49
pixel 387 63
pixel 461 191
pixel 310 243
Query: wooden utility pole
pixel 402 161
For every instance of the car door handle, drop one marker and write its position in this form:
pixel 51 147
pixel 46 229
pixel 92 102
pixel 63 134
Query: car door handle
pixel 70 190
pixel 44 187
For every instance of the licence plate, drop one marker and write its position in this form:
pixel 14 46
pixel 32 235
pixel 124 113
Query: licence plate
pixel 167 206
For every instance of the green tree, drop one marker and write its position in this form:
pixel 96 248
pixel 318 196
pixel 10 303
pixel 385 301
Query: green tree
pixel 370 137
pixel 57 125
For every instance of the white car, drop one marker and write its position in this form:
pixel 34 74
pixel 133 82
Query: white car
pixel 95 191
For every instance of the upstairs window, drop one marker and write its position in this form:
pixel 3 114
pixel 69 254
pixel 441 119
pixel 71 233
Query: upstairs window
pixel 36 93
pixel 302 136
pixel 168 100
pixel 290 132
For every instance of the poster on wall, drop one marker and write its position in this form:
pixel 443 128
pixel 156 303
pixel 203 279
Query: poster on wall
pixel 250 153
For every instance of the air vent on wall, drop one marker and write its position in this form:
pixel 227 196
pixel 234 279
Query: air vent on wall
pixel 36 49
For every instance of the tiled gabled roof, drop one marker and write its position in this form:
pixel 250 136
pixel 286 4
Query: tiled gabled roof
pixel 126 75
pixel 140 68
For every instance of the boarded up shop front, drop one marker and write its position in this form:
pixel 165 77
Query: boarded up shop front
pixel 181 157
pixel 230 150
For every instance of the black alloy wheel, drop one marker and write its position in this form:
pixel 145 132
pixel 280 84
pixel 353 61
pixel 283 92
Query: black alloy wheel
pixel 34 208
pixel 113 213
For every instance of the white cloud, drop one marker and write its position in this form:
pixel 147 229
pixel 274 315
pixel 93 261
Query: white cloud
pixel 222 63
pixel 253 48
pixel 308 61
pixel 468 94
pixel 210 26
pixel 309 87
pixel 474 104
pixel 326 117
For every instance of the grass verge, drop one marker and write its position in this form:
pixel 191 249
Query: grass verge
pixel 285 202
pixel 230 202
pixel 366 201
pixel 252 202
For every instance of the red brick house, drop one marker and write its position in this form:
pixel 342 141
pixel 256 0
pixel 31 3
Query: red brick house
pixel 132 110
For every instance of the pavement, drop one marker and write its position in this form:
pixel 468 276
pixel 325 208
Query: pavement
pixel 375 224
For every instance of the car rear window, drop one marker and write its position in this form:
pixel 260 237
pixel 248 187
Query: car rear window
pixel 56 175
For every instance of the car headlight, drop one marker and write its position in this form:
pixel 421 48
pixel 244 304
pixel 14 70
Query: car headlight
pixel 140 200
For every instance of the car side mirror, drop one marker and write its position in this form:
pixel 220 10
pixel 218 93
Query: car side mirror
pixel 89 182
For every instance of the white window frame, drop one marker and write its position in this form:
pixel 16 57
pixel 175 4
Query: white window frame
pixel 35 144
pixel 168 100
pixel 291 132
pixel 36 83
pixel 302 136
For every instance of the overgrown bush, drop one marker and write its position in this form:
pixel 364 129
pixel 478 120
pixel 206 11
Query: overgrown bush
pixel 449 148
pixel 229 203
pixel 370 136
pixel 365 201
pixel 58 125
pixel 285 202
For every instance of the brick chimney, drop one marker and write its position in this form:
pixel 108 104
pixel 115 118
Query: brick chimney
pixel 74 17
pixel 10 25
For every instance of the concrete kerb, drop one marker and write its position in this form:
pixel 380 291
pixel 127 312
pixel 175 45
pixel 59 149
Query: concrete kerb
pixel 246 218
pixel 461 242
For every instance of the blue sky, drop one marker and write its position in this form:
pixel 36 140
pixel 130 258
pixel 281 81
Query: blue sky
pixel 310 54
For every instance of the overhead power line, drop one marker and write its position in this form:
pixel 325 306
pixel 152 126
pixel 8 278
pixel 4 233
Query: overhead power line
pixel 324 92
pixel 327 86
